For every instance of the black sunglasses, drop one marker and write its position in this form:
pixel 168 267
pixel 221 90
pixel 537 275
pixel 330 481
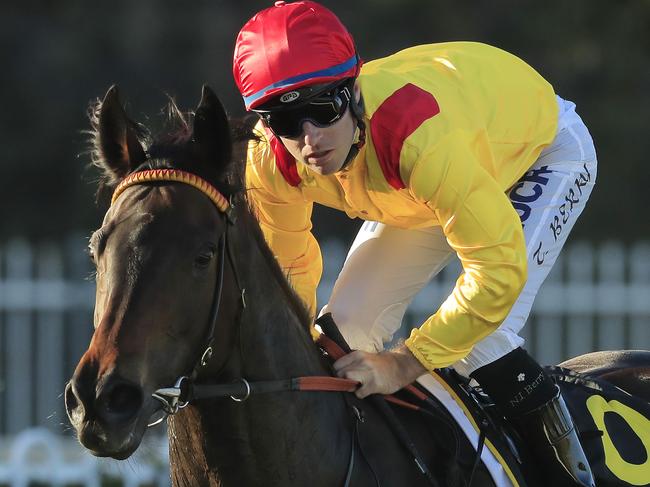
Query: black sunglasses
pixel 322 110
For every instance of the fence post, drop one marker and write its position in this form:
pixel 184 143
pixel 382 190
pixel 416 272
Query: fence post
pixel 639 295
pixel 579 299
pixel 19 350
pixel 611 296
pixel 49 336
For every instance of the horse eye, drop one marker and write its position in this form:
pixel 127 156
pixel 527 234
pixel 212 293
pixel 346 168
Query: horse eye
pixel 91 254
pixel 203 259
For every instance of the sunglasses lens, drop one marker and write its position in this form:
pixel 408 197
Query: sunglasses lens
pixel 322 112
pixel 284 124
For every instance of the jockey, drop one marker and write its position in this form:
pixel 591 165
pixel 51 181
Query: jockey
pixel 454 148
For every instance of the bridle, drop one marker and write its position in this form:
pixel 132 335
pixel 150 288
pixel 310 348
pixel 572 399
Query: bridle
pixel 184 389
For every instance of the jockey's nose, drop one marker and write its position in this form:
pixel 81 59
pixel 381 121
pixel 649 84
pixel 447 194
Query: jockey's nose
pixel 311 133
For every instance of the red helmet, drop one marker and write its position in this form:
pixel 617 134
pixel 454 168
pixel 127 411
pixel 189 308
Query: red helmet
pixel 288 46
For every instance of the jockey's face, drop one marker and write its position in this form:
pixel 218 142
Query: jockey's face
pixel 324 149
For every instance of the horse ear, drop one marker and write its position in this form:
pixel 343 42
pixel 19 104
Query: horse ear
pixel 119 145
pixel 211 131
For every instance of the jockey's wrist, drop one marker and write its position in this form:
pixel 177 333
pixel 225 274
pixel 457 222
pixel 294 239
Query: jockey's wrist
pixel 408 363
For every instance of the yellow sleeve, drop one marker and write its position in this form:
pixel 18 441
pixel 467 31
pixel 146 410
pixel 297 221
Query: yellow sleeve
pixel 285 219
pixel 485 231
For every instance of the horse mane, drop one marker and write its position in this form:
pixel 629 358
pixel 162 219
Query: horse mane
pixel 170 149
pixel 295 302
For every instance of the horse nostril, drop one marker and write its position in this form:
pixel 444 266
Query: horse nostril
pixel 120 403
pixel 124 398
pixel 72 403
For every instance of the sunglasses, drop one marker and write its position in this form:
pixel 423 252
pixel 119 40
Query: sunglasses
pixel 323 110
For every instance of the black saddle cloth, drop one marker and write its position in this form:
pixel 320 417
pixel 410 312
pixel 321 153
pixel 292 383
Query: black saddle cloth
pixel 614 428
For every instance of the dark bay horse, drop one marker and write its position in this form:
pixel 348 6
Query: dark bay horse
pixel 187 287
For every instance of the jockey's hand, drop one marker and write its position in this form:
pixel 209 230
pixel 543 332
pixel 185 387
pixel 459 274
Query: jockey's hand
pixel 380 373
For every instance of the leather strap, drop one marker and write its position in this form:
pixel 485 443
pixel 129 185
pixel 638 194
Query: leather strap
pixel 243 389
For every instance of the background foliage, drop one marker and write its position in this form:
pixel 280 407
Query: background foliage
pixel 58 55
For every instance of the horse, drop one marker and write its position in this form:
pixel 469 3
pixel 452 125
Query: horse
pixel 189 294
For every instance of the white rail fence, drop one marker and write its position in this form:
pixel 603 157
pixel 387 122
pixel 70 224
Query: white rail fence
pixel 36 456
pixel 596 298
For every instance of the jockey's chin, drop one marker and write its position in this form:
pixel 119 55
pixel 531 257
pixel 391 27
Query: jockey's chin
pixel 325 163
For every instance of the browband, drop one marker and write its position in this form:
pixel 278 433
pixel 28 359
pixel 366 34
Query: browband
pixel 174 175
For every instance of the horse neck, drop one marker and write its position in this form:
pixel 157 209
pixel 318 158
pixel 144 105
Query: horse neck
pixel 219 437
pixel 275 343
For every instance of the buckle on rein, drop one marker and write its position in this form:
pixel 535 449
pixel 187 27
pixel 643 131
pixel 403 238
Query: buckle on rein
pixel 172 398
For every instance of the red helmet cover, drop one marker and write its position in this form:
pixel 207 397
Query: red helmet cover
pixel 288 46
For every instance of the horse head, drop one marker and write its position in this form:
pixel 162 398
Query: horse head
pixel 159 260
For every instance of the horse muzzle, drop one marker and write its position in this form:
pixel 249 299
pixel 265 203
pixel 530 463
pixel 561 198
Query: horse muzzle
pixel 107 415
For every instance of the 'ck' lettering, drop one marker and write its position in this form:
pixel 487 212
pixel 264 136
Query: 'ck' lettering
pixel 524 192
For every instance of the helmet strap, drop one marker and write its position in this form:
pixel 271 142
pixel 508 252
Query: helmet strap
pixel 359 139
